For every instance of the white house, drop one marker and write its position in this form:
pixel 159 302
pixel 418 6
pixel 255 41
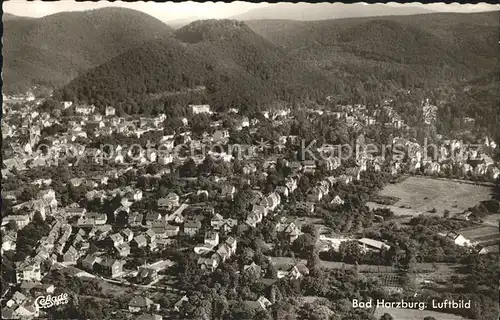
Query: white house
pixel 197 109
pixel 458 239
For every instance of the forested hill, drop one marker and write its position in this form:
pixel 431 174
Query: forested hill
pixel 56 48
pixel 383 53
pixel 450 27
pixel 8 16
pixel 321 11
pixel 238 68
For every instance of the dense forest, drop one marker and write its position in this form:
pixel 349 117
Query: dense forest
pixel 237 67
pixel 382 52
pixel 54 49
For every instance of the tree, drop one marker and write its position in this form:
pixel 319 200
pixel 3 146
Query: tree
pixel 350 252
pixel 304 244
pixel 188 169
pixel 310 229
pixel 446 214
pixel 28 193
pixel 386 316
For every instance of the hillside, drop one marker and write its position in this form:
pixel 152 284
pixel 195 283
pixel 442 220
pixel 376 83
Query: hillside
pixel 473 32
pixel 56 48
pixel 8 16
pixel 322 11
pixel 238 68
pixel 403 50
pixel 292 33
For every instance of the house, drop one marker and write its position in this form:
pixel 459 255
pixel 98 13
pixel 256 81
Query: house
pixel 253 218
pixel 220 135
pixel 494 173
pixel 272 201
pixel 211 238
pixel 219 223
pixel 208 264
pixel 292 271
pixel 373 245
pixel 191 227
pixel 314 195
pixel 288 229
pixel 100 232
pixel 75 212
pixel 291 184
pixel 17 221
pixel 28 270
pixel 85 110
pixel 110 267
pixel 142 304
pixel 152 217
pixel 216 221
pixel 28 310
pixel 337 200
pixel 9 242
pixel 92 219
pixel 458 239
pixel 228 225
pixel 332 163
pixel 179 303
pixel 135 219
pixel 227 192
pixel 123 249
pixel 170 201
pixel 309 165
pixel 432 168
pixel 232 243
pixel 139 241
pixel 354 173
pixel 282 191
pixel 150 236
pixel 145 274
pixel 176 216
pixel 110 111
pixel 70 256
pixel 345 178
pixel 253 270
pixel 305 206
pixel 261 304
pixel 223 253
pixel 197 109
pixel 37 288
pixel 89 262
pixel 127 234
pixel 17 299
pixel 488 249
pixel 164 159
pixel 171 230
pixel 159 228
pixel 116 239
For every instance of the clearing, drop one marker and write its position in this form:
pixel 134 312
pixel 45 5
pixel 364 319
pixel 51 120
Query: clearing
pixel 421 195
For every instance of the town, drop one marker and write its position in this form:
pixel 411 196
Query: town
pixel 287 196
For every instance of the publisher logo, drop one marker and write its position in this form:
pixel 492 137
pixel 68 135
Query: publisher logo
pixel 45 302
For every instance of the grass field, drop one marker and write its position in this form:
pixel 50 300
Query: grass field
pixel 411 314
pixel 422 195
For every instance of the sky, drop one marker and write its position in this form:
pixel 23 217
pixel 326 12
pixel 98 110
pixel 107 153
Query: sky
pixel 169 11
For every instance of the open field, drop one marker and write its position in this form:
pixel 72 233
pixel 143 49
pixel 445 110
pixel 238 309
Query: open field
pixel 422 195
pixel 493 220
pixel 481 234
pixel 412 314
